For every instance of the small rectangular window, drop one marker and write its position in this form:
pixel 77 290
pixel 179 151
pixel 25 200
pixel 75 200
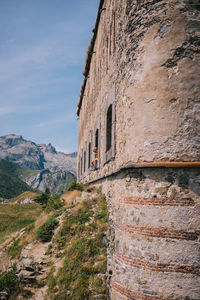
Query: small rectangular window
pixel 97 139
pixel 84 162
pixel 78 166
pixel 109 128
pixel 89 155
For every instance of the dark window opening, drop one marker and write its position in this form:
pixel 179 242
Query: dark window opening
pixel 89 155
pixel 84 161
pixel 97 138
pixel 81 166
pixel 95 150
pixel 109 128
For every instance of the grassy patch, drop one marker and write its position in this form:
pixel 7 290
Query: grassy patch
pixel 45 231
pixel 15 217
pixel 83 239
pixel 15 249
pixel 23 196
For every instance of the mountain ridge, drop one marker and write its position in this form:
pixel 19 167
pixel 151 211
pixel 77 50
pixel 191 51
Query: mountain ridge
pixel 53 168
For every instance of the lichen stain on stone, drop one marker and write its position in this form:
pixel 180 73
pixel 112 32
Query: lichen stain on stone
pixel 188 49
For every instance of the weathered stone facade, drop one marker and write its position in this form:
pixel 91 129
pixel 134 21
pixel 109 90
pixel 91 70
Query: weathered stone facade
pixel 139 138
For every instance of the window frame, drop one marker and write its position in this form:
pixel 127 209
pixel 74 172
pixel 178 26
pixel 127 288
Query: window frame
pixel 109 154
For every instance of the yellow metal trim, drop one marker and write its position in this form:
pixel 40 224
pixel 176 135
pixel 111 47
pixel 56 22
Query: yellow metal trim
pixel 167 164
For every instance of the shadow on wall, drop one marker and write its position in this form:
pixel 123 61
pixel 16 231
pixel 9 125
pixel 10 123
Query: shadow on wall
pixel 186 179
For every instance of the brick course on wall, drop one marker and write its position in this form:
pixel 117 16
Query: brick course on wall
pixel 155 253
pixel 144 62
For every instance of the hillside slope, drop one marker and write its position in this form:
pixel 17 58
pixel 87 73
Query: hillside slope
pixel 10 183
pixel 71 264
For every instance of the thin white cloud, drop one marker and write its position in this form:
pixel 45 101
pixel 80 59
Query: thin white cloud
pixel 6 110
pixel 66 118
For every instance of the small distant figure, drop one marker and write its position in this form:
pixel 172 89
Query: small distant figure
pixel 94 162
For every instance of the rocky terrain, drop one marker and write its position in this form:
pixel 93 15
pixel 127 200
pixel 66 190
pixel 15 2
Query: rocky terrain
pixel 44 165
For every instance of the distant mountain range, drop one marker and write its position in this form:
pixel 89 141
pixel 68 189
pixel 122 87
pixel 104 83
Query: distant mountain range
pixel 41 165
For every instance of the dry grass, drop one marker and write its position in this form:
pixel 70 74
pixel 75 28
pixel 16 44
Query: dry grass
pixel 23 196
pixel 15 217
pixel 70 196
pixel 4 261
pixel 43 218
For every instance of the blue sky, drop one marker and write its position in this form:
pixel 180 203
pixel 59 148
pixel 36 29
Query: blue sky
pixel 42 52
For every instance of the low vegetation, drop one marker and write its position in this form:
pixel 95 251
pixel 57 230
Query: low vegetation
pixel 75 186
pixel 76 257
pixel 15 249
pixel 82 240
pixel 45 231
pixel 15 217
pixel 10 285
pixel 50 202
pixel 8 280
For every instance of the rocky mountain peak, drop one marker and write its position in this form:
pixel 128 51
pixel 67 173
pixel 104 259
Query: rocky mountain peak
pixel 11 139
pixel 48 148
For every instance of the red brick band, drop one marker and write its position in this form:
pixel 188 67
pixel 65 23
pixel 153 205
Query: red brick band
pixel 159 201
pixel 135 295
pixel 160 232
pixel 158 267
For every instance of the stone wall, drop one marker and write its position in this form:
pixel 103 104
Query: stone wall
pixel 144 61
pixel 155 219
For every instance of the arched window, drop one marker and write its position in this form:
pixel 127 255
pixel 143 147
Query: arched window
pixel 109 128
pixel 89 155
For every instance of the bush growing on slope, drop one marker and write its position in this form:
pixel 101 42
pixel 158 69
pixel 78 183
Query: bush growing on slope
pixel 8 280
pixel 49 202
pixel 54 202
pixel 43 198
pixel 75 186
pixel 45 231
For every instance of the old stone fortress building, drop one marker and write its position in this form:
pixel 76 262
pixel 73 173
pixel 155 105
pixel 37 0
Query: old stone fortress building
pixel 139 138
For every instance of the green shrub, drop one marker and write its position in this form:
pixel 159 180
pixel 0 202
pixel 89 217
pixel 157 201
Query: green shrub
pixel 43 198
pixel 75 186
pixel 8 280
pixel 49 202
pixel 54 203
pixel 45 231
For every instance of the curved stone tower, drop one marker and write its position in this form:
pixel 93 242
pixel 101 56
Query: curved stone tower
pixel 139 138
